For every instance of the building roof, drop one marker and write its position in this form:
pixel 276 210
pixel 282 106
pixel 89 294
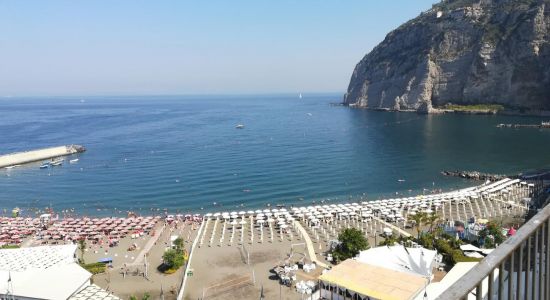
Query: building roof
pixel 408 260
pixel 94 292
pixel 46 272
pixel 57 282
pixel 433 290
pixel 374 281
pixel 41 257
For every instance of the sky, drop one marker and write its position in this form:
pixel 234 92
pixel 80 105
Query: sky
pixel 132 47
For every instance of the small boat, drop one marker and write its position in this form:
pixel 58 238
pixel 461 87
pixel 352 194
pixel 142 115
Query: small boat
pixel 401 180
pixel 9 167
pixel 72 161
pixel 56 162
pixel 240 126
pixel 44 166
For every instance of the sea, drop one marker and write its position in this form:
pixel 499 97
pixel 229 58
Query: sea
pixel 184 154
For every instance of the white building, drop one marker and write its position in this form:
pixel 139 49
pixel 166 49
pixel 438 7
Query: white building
pixel 45 272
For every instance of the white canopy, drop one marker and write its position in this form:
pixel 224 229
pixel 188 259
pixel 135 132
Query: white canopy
pixel 417 261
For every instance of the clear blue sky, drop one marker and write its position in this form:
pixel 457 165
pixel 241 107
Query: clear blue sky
pixel 135 47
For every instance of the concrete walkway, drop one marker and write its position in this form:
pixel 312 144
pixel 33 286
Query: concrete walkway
pixel 188 265
pixel 141 256
pixel 393 227
pixel 309 245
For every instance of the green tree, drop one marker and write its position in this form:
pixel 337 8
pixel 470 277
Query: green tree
pixel 388 241
pixel 173 259
pixel 145 296
pixel 82 248
pixel 431 220
pixel 491 235
pixel 351 242
pixel 418 219
pixel 178 243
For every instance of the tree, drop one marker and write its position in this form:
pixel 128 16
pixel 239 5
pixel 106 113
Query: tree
pixel 491 235
pixel 145 296
pixel 418 219
pixel 351 242
pixel 431 220
pixel 178 243
pixel 82 248
pixel 388 241
pixel 173 259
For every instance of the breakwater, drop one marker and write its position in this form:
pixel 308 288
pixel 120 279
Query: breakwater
pixel 474 175
pixel 19 158
pixel 541 125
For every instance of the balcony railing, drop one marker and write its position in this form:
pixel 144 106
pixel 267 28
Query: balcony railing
pixel 518 269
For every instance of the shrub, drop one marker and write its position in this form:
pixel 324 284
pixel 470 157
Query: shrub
pixel 173 259
pixel 95 268
pixel 10 247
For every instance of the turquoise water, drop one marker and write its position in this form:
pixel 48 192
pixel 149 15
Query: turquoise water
pixel 184 153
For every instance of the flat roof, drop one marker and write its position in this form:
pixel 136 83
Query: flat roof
pixel 374 281
pixel 56 283
pixel 94 292
pixel 41 257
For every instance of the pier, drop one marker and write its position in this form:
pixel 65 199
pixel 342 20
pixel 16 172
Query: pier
pixel 20 158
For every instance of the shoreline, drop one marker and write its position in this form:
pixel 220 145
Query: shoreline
pixel 440 111
pixel 157 211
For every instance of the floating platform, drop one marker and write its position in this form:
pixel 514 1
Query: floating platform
pixel 20 158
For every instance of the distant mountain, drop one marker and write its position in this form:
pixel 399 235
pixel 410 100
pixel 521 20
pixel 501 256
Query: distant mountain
pixel 462 52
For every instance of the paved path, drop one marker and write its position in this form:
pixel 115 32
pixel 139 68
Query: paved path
pixel 188 265
pixel 28 242
pixel 309 245
pixel 393 227
pixel 147 248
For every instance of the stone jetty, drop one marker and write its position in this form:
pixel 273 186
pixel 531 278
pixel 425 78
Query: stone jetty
pixel 19 158
pixel 474 175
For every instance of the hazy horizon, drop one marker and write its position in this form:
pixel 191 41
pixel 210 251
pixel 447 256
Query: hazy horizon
pixel 100 48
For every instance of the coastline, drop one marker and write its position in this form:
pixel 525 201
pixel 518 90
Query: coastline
pixel 156 211
pixel 437 111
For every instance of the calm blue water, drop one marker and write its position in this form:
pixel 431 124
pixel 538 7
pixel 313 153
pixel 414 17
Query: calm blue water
pixel 184 153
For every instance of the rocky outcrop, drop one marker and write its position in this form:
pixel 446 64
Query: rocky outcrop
pixel 461 52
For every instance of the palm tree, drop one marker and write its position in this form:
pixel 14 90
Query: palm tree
pixel 418 219
pixel 431 220
pixel 82 248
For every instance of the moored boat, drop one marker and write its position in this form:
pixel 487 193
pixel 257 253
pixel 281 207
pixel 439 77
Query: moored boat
pixel 56 162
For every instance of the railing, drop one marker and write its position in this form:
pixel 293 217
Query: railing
pixel 517 269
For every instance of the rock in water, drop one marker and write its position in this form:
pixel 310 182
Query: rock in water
pixel 462 52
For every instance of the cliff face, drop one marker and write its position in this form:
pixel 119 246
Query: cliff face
pixel 460 52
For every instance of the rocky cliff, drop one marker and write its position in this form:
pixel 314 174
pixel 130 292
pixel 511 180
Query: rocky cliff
pixel 461 52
